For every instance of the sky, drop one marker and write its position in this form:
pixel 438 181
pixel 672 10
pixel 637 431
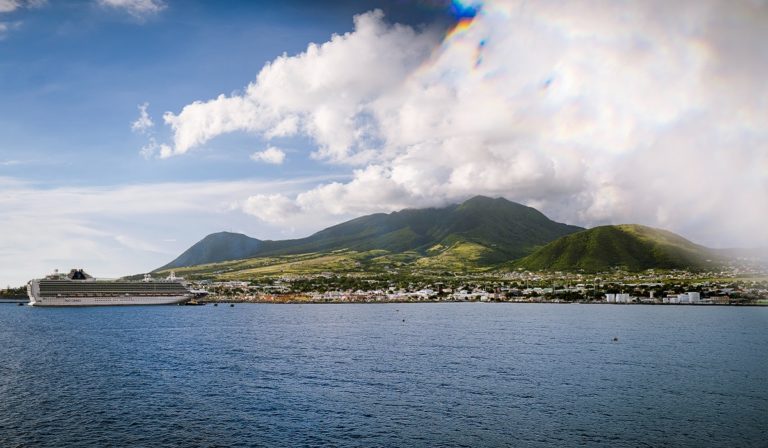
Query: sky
pixel 130 129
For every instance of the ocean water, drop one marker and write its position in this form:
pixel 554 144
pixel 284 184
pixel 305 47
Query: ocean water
pixel 384 375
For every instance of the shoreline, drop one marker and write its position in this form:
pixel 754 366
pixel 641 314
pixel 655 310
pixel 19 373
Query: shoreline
pixel 299 302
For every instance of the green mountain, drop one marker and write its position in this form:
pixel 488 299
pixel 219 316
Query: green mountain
pixel 482 230
pixel 632 247
pixel 216 247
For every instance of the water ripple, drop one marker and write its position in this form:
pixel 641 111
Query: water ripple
pixel 357 375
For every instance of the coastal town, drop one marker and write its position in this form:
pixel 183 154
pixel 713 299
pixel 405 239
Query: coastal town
pixel 735 286
pixel 651 288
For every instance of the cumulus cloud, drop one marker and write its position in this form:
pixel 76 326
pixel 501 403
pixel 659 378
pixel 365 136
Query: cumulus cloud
pixel 144 123
pixel 271 155
pixel 594 111
pixel 322 92
pixel 139 9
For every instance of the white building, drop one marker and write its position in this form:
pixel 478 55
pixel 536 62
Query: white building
pixel 686 297
pixel 618 298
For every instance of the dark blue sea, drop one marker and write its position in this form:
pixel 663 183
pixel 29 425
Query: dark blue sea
pixel 470 374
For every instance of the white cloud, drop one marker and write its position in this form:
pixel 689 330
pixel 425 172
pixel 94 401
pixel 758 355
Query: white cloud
pixel 144 123
pixel 150 149
pixel 275 208
pixel 95 227
pixel 155 149
pixel 321 92
pixel 9 5
pixel 141 245
pixel 271 155
pixel 12 5
pixel 139 9
pixel 595 111
pixel 6 27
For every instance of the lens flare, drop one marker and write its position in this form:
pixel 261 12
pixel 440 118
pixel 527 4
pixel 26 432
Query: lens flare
pixel 461 26
pixel 464 9
pixel 465 13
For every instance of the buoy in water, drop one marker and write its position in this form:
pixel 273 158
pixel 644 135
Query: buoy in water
pixel 215 304
pixel 615 339
pixel 231 305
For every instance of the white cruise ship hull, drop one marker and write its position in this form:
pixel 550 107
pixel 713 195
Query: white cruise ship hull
pixel 63 292
pixel 107 301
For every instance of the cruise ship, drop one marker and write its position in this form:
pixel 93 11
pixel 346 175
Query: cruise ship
pixel 80 289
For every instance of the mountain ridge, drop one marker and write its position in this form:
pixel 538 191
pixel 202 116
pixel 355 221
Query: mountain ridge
pixel 505 229
pixel 479 233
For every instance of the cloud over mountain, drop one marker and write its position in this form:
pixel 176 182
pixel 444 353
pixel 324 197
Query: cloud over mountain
pixel 594 111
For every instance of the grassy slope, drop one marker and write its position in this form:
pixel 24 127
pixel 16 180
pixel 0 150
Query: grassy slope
pixel 632 247
pixel 461 256
pixel 458 257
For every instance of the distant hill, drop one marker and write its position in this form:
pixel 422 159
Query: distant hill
pixel 217 247
pixel 492 231
pixel 633 247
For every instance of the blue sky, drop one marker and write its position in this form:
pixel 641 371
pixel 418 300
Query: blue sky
pixel 72 77
pixel 130 129
pixel 73 73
